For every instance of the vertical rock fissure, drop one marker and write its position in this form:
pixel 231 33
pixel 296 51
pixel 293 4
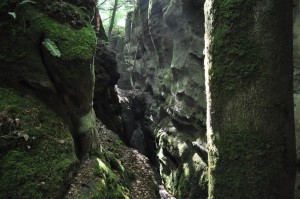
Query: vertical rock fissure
pixel 164 115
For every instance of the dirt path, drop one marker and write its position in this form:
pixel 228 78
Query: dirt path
pixel 144 184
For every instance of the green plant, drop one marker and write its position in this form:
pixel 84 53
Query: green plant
pixel 13 14
pixel 26 1
pixel 51 46
pixel 118 141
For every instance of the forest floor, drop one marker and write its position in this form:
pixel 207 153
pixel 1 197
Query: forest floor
pixel 145 181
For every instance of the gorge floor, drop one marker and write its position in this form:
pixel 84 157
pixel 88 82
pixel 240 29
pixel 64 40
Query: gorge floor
pixel 144 185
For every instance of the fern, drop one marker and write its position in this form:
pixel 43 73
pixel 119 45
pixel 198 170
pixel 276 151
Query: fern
pixel 26 1
pixel 51 46
pixel 13 14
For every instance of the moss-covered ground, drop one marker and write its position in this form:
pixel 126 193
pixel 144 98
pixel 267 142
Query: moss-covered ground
pixel 36 149
pixel 118 172
pixel 115 180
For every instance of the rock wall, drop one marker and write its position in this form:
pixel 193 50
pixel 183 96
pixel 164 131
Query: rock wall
pixel 48 49
pixel 106 102
pixel 163 55
pixel 37 156
pixel 297 74
pixel 297 88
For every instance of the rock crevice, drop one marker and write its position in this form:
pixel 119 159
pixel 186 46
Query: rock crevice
pixel 163 59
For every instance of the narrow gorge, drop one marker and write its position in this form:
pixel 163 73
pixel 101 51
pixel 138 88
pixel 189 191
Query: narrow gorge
pixel 92 113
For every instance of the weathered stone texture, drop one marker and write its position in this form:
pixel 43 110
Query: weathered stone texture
pixel 163 55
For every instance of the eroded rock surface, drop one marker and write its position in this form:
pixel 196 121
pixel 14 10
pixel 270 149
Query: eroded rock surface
pixel 41 54
pixel 163 55
pixel 51 50
pixel 297 72
pixel 106 103
pixel 297 88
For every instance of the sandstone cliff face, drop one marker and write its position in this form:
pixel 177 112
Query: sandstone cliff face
pixel 163 55
pixel 62 75
pixel 48 50
pixel 106 103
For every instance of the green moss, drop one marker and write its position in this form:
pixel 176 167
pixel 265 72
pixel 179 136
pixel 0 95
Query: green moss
pixel 87 122
pixel 64 12
pixel 183 177
pixel 36 167
pixel 244 161
pixel 193 172
pixel 72 43
pixel 115 181
pixel 69 29
pixel 116 164
pixel 11 30
pixel 232 44
pixel 118 141
pixel 105 171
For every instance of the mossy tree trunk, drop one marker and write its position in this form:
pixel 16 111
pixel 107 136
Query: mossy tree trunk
pixel 249 73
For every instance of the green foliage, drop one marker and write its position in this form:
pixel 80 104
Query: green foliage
pixel 102 42
pixel 67 13
pixel 106 13
pixel 118 141
pixel 51 46
pixel 72 43
pixel 26 1
pixel 13 14
pixel 118 31
pixel 114 179
pixel 38 166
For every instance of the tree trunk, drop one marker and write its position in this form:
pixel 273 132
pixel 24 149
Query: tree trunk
pixel 249 83
pixel 112 20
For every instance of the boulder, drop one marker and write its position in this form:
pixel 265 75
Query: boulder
pixel 47 49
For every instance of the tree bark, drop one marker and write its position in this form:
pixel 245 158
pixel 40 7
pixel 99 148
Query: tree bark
pixel 112 20
pixel 249 84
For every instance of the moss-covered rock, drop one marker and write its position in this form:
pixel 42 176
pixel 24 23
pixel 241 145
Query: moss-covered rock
pixel 181 166
pixel 64 81
pixel 61 27
pixel 166 40
pixel 115 180
pixel 37 157
pixel 101 177
pixel 72 43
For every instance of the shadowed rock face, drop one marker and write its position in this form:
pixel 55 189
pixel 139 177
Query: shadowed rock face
pixel 297 87
pixel 297 73
pixel 106 102
pixel 66 82
pixel 163 54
